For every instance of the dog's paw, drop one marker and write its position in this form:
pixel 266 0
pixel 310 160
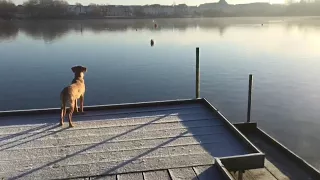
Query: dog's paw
pixel 79 113
pixel 71 125
pixel 61 123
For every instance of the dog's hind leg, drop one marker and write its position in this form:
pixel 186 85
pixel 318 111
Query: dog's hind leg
pixel 63 113
pixel 76 106
pixel 81 103
pixel 70 114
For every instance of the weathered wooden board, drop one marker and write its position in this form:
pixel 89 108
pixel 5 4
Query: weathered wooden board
pixel 130 176
pixel 183 174
pixel 208 173
pixel 157 175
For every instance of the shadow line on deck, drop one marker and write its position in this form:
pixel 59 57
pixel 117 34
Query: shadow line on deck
pixel 143 154
pixel 51 133
pixel 83 150
pixel 27 131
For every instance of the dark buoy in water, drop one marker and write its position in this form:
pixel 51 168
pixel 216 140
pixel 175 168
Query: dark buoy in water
pixel 151 42
pixel 136 29
pixel 261 24
pixel 155 25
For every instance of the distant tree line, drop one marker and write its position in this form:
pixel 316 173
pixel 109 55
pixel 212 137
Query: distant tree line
pixel 59 9
pixel 7 9
pixel 34 8
pixel 41 9
pixel 46 8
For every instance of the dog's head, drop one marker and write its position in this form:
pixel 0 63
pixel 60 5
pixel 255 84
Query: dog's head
pixel 79 71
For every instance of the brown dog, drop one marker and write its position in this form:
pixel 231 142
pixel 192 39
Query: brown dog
pixel 71 93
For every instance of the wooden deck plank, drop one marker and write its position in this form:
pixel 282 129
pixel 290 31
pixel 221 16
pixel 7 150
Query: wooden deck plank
pixel 101 115
pixel 54 169
pixel 286 166
pixel 36 152
pixel 255 174
pixel 246 176
pixel 234 175
pixel 208 173
pixel 114 177
pixel 33 142
pixel 157 175
pixel 104 178
pixel 130 176
pixel 213 149
pixel 122 129
pixel 57 134
pixel 275 171
pixel 183 174
pixel 126 121
pixel 49 140
pixel 21 162
pixel 261 174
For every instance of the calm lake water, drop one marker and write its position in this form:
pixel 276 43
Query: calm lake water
pixel 282 53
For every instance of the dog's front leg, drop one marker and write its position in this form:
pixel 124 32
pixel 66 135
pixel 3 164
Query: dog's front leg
pixel 70 115
pixel 81 103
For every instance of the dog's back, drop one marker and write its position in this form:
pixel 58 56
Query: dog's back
pixel 73 91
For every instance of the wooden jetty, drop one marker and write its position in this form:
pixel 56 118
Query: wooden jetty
pixel 181 139
pixel 173 137
pixel 178 139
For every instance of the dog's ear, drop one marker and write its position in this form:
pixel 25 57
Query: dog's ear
pixel 74 69
pixel 84 69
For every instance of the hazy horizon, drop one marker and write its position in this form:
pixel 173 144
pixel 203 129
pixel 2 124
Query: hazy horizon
pixel 162 2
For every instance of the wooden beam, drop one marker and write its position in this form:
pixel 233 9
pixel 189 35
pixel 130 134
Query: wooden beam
pixel 243 162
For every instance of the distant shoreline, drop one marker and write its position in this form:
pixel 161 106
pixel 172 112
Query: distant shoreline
pixel 137 18
pixel 100 18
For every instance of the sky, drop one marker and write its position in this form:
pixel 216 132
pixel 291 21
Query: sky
pixel 164 2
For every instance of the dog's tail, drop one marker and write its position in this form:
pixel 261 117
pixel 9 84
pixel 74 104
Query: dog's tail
pixel 63 104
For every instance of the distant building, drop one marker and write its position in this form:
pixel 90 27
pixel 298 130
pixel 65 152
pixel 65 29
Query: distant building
pixel 158 10
pixel 152 10
pixel 76 9
pixel 193 10
pixel 168 10
pixel 118 10
pixel 181 9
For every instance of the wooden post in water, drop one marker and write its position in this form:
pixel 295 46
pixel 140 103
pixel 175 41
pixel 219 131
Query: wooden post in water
pixel 249 99
pixel 197 73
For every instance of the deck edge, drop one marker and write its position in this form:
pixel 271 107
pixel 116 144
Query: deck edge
pixel 223 169
pixel 257 156
pixel 101 107
pixel 301 162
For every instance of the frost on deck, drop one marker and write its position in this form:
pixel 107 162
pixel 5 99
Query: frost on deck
pixel 113 142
